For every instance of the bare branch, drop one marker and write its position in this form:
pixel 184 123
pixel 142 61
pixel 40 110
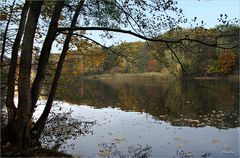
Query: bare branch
pixel 107 48
pixel 62 29
pixel 183 69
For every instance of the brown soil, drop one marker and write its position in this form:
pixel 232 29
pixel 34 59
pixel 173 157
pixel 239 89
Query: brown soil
pixel 35 152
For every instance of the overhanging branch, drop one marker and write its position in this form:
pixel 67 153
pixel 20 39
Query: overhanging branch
pixel 62 29
pixel 183 69
pixel 107 48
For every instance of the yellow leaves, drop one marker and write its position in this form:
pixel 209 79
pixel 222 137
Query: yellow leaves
pixel 94 59
pixel 227 61
pixel 79 62
pixel 122 62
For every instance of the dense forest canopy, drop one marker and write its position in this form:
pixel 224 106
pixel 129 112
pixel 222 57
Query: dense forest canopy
pixel 34 30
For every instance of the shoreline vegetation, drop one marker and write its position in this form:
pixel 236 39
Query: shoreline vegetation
pixel 131 75
pixel 159 75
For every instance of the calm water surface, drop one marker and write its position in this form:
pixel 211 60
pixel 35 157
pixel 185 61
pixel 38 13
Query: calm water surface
pixel 154 118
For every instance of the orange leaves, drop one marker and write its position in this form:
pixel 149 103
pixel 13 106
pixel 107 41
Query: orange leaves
pixel 153 65
pixel 226 62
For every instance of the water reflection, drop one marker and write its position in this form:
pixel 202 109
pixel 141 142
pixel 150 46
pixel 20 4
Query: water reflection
pixel 61 126
pixel 117 131
pixel 134 151
pixel 181 103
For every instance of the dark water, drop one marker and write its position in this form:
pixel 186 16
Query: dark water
pixel 155 118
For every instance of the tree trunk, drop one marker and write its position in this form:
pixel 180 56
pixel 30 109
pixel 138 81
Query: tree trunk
pixel 19 129
pixel 5 32
pixel 39 126
pixel 45 52
pixel 13 64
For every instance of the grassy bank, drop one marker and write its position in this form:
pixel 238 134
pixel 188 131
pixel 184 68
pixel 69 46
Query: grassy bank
pixel 157 75
pixel 132 75
pixel 228 77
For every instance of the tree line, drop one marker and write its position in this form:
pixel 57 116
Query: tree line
pixel 195 58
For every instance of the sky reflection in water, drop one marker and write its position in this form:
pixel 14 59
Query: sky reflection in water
pixel 154 118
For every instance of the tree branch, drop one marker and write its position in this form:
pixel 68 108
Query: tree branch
pixel 62 29
pixel 107 48
pixel 6 31
pixel 183 69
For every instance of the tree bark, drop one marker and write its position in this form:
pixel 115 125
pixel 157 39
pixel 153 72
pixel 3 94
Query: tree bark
pixel 20 126
pixel 45 52
pixel 39 126
pixel 13 64
pixel 5 32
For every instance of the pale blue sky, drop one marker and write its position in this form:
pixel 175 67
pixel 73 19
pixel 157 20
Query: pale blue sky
pixel 206 10
pixel 210 10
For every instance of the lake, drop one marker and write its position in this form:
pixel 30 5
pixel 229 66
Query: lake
pixel 145 117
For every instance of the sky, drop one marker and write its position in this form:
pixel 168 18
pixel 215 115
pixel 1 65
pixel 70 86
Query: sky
pixel 210 10
pixel 206 10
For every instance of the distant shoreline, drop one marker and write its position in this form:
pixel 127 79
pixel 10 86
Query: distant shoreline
pixel 132 75
pixel 156 75
pixel 229 77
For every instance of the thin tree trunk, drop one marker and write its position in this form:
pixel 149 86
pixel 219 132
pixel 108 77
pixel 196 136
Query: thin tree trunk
pixel 20 128
pixel 5 32
pixel 45 52
pixel 13 64
pixel 39 126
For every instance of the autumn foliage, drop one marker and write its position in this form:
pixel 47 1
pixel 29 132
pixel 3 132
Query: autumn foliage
pixel 226 62
pixel 153 65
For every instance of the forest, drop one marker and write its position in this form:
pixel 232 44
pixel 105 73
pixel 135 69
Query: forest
pixel 195 59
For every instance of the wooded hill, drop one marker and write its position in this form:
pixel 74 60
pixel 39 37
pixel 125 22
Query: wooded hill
pixel 184 58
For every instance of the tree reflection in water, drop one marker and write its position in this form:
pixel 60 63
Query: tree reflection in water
pixel 134 151
pixel 138 151
pixel 176 104
pixel 180 102
pixel 182 154
pixel 61 127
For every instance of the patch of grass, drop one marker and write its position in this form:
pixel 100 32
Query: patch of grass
pixel 132 75
pixel 228 77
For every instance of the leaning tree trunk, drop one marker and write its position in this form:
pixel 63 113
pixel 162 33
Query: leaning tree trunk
pixel 19 128
pixel 13 64
pixel 5 33
pixel 45 52
pixel 39 126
